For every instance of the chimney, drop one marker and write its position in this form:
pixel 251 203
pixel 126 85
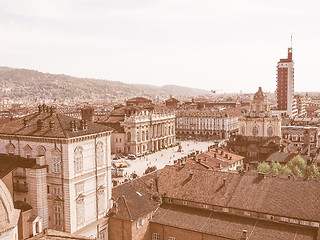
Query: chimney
pixel 39 124
pixel 215 155
pixel 191 174
pixel 53 110
pixel 72 126
pixel 261 175
pixel 87 114
pixel 40 109
pixel 219 165
pixel 51 125
pixel 244 235
pixel 224 181
pixel 75 125
pixel 222 152
pixel 226 155
pixel 25 123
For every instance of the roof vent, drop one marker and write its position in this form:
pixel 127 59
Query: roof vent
pixel 244 235
pixel 25 123
pixel 51 125
pixel 39 124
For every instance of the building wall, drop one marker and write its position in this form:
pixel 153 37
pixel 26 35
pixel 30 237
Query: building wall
pixel 148 132
pixel 166 231
pixel 247 124
pixel 67 179
pixel 118 142
pixel 119 229
pixel 201 124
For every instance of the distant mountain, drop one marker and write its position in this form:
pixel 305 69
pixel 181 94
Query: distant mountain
pixel 31 84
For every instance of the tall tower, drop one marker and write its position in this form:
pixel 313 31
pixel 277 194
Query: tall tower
pixel 285 84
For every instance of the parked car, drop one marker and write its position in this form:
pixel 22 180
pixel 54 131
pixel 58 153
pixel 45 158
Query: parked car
pixel 132 156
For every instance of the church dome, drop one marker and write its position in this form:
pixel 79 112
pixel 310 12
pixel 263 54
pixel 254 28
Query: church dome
pixel 6 204
pixel 260 96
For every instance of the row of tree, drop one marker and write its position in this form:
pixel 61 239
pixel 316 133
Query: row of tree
pixel 297 166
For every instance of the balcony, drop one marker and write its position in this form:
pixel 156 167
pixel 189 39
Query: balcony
pixel 19 175
pixel 19 187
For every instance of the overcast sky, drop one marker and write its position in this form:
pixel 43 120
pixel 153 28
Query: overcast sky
pixel 228 45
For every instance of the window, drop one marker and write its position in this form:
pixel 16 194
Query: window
pixel 100 159
pixel 57 215
pixel 184 202
pixel 255 131
pixel 246 213
pixel 270 131
pixel 155 236
pixel 270 217
pixel 205 206
pixel 78 159
pixel 140 222
pixel 56 191
pixel 306 223
pixel 284 219
pixel 225 210
pixel 169 200
pixel 171 238
pixel 56 164
pixel 314 224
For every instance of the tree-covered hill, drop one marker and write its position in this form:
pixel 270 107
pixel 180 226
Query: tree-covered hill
pixel 31 84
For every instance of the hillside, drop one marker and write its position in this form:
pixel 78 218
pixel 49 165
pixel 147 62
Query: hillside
pixel 31 84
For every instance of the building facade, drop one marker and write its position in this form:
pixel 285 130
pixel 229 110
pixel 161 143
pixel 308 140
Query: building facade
pixel 140 127
pixel 69 187
pixel 285 85
pixel 259 122
pixel 205 123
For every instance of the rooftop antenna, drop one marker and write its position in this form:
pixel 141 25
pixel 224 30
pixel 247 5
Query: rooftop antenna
pixel 291 40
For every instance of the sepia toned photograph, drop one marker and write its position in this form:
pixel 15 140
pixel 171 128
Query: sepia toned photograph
pixel 159 120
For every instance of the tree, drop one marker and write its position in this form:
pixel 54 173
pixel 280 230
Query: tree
pixel 263 167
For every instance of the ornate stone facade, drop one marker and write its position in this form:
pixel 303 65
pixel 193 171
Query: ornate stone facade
pixel 259 122
pixel 73 167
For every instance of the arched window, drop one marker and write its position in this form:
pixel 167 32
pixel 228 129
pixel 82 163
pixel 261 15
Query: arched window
pixel 255 131
pixel 270 131
pixel 10 148
pixel 243 130
pixel 27 151
pixel 100 158
pixel 78 159
pixel 143 136
pixel 129 137
pixel 41 151
pixel 147 135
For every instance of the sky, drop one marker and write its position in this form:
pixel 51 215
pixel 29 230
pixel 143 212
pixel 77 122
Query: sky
pixel 228 46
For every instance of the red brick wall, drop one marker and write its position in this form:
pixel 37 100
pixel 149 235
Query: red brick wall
pixel 119 229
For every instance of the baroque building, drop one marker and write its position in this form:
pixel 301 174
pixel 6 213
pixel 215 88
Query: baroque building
pixel 260 132
pixel 207 123
pixel 259 122
pixel 68 186
pixel 140 127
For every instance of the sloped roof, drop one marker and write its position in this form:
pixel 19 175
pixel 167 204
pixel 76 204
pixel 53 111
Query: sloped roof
pixel 60 129
pixel 281 157
pixel 274 195
pixel 226 225
pixel 134 199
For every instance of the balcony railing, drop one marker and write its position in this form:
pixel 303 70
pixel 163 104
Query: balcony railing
pixel 19 187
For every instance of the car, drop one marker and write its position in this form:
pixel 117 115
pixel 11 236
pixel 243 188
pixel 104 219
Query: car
pixel 132 156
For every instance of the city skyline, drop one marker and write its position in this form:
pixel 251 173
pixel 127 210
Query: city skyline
pixel 227 46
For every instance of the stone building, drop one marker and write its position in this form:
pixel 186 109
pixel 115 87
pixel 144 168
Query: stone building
pixel 207 123
pixel 260 132
pixel 9 216
pixel 69 184
pixel 192 204
pixel 140 127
